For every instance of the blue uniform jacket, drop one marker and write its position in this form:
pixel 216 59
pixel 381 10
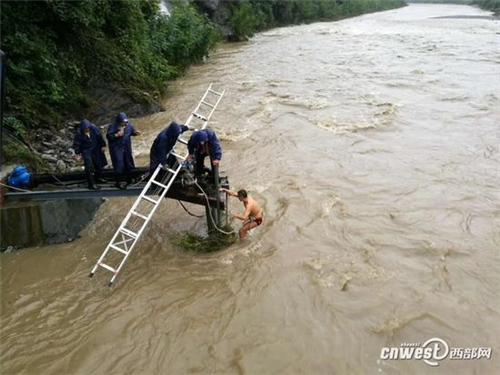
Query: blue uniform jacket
pixel 163 143
pixel 90 147
pixel 120 148
pixel 210 138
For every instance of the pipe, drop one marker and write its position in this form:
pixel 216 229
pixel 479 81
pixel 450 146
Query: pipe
pixel 77 176
pixel 217 194
pixel 2 91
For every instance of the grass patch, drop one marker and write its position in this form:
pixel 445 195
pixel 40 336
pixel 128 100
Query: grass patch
pixel 214 242
pixel 16 153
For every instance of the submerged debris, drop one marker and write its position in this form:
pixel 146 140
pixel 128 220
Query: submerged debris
pixel 214 242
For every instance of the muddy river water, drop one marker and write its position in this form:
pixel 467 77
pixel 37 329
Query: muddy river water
pixel 373 146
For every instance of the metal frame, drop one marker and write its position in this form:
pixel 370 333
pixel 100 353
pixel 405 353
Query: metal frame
pixel 124 235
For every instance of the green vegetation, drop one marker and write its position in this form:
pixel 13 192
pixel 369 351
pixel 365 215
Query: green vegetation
pixel 214 242
pixel 56 49
pixel 14 150
pixel 493 5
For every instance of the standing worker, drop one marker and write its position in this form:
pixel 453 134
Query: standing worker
pixel 163 144
pixel 252 216
pixel 89 145
pixel 120 148
pixel 204 143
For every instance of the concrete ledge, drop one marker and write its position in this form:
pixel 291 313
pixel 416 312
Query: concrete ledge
pixel 26 224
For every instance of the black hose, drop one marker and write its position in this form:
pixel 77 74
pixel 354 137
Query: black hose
pixel 185 209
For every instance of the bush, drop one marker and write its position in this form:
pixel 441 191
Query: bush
pixel 55 49
pixel 242 20
pixel 493 5
pixel 183 38
pixel 15 152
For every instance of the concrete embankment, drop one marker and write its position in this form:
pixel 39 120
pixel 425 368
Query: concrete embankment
pixel 29 224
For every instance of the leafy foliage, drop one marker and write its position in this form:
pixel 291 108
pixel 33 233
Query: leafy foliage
pixel 55 49
pixel 184 38
pixel 13 150
pixel 493 5
pixel 243 20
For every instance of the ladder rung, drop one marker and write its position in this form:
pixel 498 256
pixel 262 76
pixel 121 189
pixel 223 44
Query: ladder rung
pixel 149 199
pixel 140 215
pixel 129 232
pixel 171 170
pixel 210 105
pixel 215 92
pixel 159 184
pixel 107 267
pixel 182 140
pixel 178 156
pixel 199 116
pixel 118 249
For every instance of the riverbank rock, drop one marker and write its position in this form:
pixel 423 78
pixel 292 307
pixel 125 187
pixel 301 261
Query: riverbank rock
pixel 49 157
pixel 53 146
pixel 110 100
pixel 61 166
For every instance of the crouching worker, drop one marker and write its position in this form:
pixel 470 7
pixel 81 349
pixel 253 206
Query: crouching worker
pixel 253 213
pixel 204 143
pixel 89 145
pixel 163 144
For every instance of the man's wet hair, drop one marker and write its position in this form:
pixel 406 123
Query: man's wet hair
pixel 242 193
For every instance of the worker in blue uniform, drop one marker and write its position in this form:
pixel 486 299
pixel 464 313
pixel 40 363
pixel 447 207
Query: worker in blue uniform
pixel 120 148
pixel 204 143
pixel 162 145
pixel 89 145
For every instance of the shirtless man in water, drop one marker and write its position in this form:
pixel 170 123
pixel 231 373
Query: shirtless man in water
pixel 253 213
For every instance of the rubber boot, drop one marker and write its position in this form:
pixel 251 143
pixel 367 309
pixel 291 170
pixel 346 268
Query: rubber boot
pixel 91 182
pixel 119 183
pixel 98 178
pixel 128 179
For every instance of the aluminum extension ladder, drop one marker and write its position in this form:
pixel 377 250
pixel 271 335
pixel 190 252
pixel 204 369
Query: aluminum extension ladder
pixel 131 228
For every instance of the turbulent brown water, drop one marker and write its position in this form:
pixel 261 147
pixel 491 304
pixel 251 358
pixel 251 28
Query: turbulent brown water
pixel 373 146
